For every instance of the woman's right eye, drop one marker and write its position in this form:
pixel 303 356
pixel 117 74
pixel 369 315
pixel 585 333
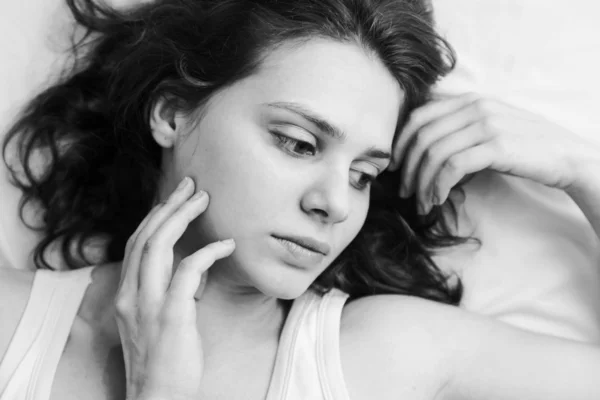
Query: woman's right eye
pixel 294 146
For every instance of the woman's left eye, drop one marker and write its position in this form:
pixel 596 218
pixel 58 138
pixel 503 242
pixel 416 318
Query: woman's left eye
pixel 295 146
pixel 365 181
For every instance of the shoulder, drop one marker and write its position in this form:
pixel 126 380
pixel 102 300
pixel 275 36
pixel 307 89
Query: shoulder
pixel 393 309
pixel 402 345
pixel 15 286
pixel 407 317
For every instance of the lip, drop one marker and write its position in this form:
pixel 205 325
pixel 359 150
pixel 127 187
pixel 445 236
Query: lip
pixel 308 243
pixel 296 254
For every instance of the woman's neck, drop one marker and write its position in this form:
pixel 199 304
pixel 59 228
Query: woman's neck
pixel 228 307
pixel 226 312
pixel 229 311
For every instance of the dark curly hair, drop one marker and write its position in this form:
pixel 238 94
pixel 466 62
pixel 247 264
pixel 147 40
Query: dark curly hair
pixel 101 165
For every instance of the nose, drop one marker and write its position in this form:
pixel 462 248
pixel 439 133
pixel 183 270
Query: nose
pixel 328 198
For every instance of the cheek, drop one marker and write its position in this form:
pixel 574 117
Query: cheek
pixel 244 176
pixel 248 185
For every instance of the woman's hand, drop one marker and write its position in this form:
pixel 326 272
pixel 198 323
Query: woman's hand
pixel 156 313
pixel 448 139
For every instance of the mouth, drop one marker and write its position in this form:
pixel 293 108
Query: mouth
pixel 307 243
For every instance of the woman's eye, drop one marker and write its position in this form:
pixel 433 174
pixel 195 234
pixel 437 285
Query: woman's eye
pixel 300 147
pixel 364 182
pixel 295 146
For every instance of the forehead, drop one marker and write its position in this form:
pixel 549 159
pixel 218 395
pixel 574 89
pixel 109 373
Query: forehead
pixel 342 82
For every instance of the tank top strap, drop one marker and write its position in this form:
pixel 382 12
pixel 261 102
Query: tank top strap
pixel 308 364
pixel 29 365
pixel 291 350
pixel 328 345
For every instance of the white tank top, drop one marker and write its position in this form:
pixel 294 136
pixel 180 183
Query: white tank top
pixel 307 364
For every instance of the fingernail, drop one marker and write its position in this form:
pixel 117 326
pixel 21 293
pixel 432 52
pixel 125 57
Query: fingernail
pixel 435 200
pixel 184 182
pixel 228 242
pixel 199 195
pixel 403 191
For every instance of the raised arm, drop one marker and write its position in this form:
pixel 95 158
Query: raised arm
pixel 447 139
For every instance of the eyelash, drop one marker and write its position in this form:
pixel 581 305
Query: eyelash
pixel 283 141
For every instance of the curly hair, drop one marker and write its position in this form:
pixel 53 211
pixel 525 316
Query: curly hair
pixel 101 166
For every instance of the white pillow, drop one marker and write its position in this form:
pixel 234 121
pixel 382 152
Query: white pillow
pixel 539 266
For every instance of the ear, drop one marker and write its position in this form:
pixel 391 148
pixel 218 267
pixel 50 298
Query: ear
pixel 164 123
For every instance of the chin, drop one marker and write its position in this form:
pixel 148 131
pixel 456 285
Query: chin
pixel 282 282
pixel 284 293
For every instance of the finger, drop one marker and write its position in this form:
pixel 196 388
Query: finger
pixel 134 270
pixel 421 117
pixel 457 196
pixel 421 145
pixel 186 279
pixel 147 229
pixel 157 258
pixel 190 272
pixel 472 160
pixel 438 153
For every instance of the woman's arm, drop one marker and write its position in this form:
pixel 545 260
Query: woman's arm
pixel 499 362
pixel 443 142
pixel 447 139
pixel 420 349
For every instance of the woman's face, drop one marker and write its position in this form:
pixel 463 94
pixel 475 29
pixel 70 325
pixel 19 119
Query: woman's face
pixel 287 152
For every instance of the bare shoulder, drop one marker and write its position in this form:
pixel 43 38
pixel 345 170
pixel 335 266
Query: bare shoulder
pixel 397 311
pixel 15 286
pixel 400 345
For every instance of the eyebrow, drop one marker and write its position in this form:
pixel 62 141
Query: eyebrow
pixel 326 127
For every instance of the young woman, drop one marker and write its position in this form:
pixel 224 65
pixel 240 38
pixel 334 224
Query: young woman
pixel 251 138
